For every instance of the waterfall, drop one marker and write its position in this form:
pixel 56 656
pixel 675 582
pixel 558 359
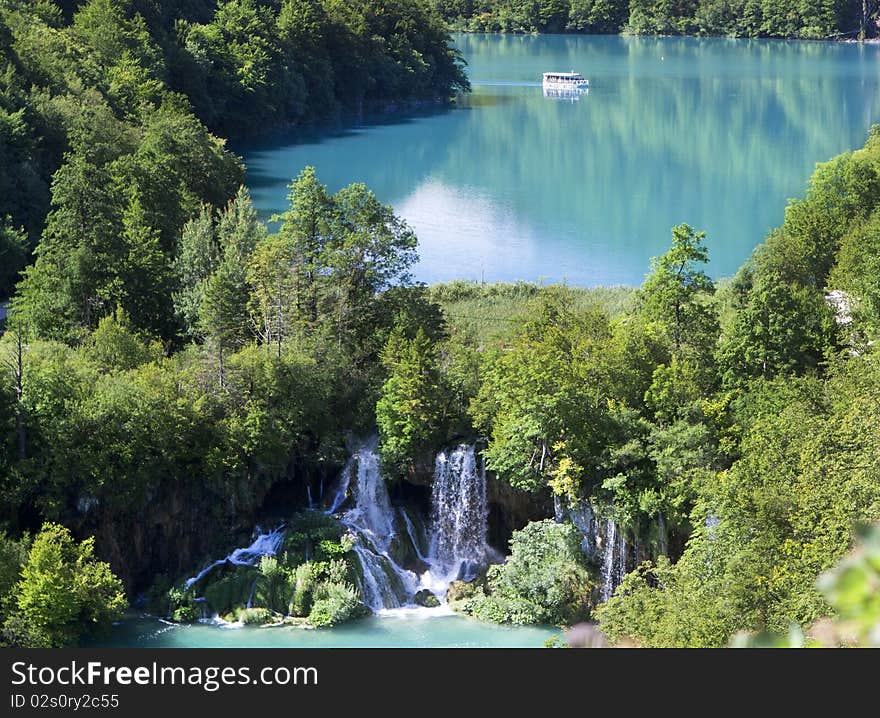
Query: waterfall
pixel 250 601
pixel 605 544
pixel 614 551
pixel 558 509
pixel 383 583
pixel 608 560
pixel 340 493
pixel 371 512
pixel 454 546
pixel 265 544
pixel 459 518
pixel 584 521
pixel 415 537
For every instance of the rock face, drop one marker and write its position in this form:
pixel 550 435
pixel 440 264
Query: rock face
pixel 511 509
pixel 183 525
pixel 426 598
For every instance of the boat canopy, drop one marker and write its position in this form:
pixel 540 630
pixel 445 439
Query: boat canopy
pixel 563 76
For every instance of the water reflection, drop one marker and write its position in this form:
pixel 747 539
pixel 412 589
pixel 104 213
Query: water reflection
pixel 511 185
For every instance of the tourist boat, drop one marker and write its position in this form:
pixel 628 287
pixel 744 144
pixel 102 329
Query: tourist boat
pixel 565 81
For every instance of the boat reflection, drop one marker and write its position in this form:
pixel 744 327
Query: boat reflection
pixel 567 94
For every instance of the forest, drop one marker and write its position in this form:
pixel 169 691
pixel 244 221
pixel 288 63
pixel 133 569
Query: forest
pixel 130 99
pixel 172 363
pixel 807 19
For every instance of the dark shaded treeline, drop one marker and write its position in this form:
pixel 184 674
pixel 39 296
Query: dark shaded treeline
pixel 127 99
pixel 732 18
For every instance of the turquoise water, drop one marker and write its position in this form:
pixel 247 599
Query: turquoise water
pixel 512 185
pixel 408 629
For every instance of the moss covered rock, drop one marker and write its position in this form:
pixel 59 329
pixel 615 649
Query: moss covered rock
pixel 427 599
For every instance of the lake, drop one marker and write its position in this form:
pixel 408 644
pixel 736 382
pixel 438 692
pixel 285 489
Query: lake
pixel 511 185
pixel 402 628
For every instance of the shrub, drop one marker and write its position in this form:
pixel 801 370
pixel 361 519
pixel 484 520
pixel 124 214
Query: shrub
pixel 232 590
pixel 253 616
pixel 335 603
pixel 304 582
pixel 545 580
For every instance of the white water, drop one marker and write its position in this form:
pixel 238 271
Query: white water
pixel 383 583
pixel 459 518
pixel 456 545
pixel 613 559
pixel 414 536
pixel 265 544
pixel 584 521
pixel 341 492
pixel 602 543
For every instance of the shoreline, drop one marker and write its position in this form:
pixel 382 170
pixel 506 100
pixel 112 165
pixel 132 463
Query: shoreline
pixel 515 33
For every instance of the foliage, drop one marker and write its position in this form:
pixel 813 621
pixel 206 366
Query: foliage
pixel 736 18
pixel 781 515
pixel 411 410
pixel 63 593
pixel 334 603
pixel 106 118
pixel 674 292
pixel 545 579
pixel 253 616
pixel 851 589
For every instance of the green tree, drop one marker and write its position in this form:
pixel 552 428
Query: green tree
pixel 64 592
pixel 544 397
pixel 370 249
pixel 674 294
pixel 223 317
pixel 411 410
pixel 305 227
pixel 197 259
pixel 784 329
pixel 145 275
pixel 13 250
pixel 272 275
pixel 115 345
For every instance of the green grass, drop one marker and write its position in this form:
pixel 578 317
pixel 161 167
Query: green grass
pixel 491 312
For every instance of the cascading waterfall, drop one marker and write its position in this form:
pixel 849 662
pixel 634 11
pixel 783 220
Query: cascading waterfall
pixel 383 583
pixel 602 543
pixel 340 494
pixel 454 546
pixel 613 559
pixel 265 544
pixel 415 537
pixel 459 518
pixel 608 560
pixel 584 521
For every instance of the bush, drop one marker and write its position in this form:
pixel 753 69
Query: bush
pixel 304 582
pixel 182 606
pixel 335 603
pixel 545 580
pixel 253 616
pixel 63 594
pixel 230 591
